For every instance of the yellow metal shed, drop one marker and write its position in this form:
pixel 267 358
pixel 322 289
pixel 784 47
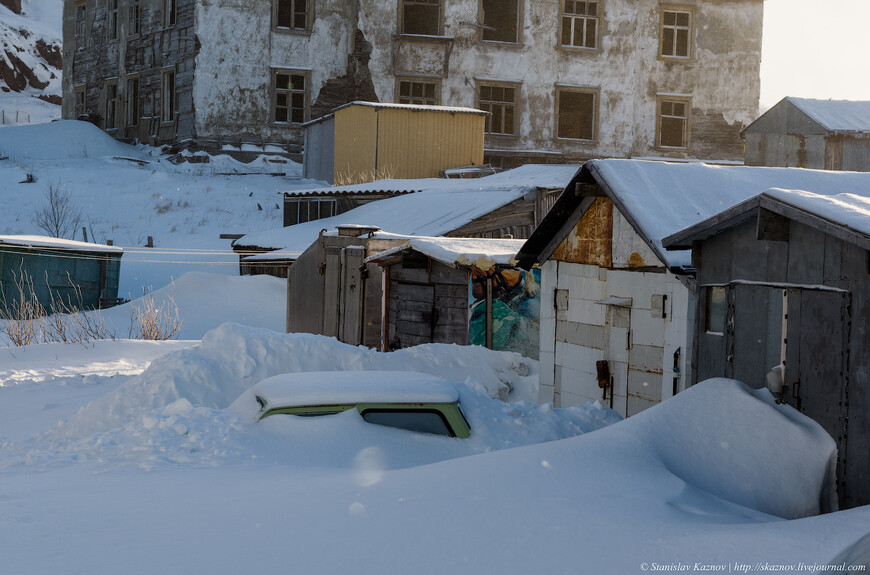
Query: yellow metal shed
pixel 365 141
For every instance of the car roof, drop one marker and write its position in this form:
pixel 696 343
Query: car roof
pixel 353 387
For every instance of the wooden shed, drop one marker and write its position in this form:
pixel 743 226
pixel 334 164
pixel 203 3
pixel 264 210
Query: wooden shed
pixel 366 141
pixel 783 292
pixel 80 273
pixel 806 133
pixel 617 311
pixel 458 290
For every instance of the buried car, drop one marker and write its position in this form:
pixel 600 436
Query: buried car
pixel 406 400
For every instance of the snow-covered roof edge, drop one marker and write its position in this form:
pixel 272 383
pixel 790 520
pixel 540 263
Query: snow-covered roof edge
pixel 48 242
pixel 481 253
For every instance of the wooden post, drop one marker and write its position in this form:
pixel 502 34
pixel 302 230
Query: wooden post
pixel 150 243
pixel 489 312
pixel 85 234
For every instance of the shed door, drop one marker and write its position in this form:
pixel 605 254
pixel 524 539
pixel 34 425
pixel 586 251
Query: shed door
pixel 331 291
pixel 753 332
pixel 815 361
pixel 416 315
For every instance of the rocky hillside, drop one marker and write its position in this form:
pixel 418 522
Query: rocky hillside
pixel 30 61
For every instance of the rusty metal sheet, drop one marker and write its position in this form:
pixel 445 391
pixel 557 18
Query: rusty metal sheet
pixel 591 240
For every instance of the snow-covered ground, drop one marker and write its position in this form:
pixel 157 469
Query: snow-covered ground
pixel 127 193
pixel 125 456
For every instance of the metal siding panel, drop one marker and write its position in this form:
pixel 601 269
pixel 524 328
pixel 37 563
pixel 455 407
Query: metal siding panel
pixel 419 144
pixel 355 142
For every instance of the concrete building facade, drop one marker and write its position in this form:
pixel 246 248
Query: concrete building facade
pixel 562 79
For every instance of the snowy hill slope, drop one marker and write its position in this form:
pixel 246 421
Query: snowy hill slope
pixel 30 61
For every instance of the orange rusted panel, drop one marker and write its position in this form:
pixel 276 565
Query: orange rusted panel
pixel 591 240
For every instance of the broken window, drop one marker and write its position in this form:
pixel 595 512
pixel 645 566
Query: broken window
pixel 291 97
pixel 291 14
pixel 580 24
pixel 132 118
pixel 673 123
pixel 167 97
pixel 135 17
pixel 676 34
pixel 306 210
pixel 501 20
pixel 500 102
pixel 576 113
pixel 81 19
pixel 421 17
pixel 111 105
pixel 169 13
pixel 112 20
pixel 418 91
pixel 79 102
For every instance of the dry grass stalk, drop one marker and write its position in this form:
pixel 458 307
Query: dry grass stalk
pixel 150 322
pixel 349 178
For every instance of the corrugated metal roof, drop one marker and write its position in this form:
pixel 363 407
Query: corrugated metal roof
pixel 836 115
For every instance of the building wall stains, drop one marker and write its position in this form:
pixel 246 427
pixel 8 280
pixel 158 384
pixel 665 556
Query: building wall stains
pixel 359 50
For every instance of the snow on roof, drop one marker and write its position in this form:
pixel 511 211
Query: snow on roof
pixel 663 198
pixel 836 115
pixel 350 387
pixel 478 252
pixel 549 176
pixel 849 210
pixel 58 244
pixel 62 139
pixel 441 206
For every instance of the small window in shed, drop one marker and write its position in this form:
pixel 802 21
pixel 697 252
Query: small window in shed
pixel 715 310
pixel 414 261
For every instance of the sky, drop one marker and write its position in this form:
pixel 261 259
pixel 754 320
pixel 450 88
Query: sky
pixel 815 49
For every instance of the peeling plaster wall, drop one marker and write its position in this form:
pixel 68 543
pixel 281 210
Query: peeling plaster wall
pixel 231 93
pixel 146 55
pixel 233 85
pixel 722 77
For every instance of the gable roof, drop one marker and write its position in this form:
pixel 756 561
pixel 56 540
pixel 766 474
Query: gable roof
pixel 846 216
pixel 441 206
pixel 661 198
pixel 836 115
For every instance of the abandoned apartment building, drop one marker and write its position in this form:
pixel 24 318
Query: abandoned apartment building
pixel 562 80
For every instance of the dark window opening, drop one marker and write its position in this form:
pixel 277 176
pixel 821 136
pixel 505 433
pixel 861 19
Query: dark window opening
pixel 133 102
pixel 501 20
pixel 421 17
pixel 580 24
pixel 500 102
pixel 673 124
pixel 292 14
pixel 577 115
pixel 676 30
pixel 419 92
pixel 290 97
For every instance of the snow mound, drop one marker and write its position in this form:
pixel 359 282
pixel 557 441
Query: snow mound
pixel 175 411
pixel 736 443
pixel 64 139
pixel 232 358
